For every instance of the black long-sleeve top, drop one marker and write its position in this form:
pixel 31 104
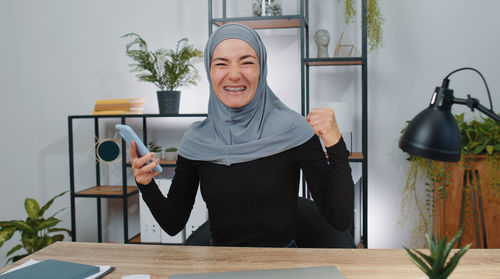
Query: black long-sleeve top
pixel 255 203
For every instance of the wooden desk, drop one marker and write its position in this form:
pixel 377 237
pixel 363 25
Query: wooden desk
pixel 161 260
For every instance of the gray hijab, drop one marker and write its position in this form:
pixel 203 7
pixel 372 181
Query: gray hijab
pixel 262 128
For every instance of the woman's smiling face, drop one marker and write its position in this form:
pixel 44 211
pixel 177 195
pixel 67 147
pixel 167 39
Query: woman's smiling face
pixel 234 72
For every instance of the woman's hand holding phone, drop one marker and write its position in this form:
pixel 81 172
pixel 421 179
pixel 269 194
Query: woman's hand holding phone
pixel 142 171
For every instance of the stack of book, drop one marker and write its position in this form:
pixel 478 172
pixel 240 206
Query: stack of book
pixel 119 106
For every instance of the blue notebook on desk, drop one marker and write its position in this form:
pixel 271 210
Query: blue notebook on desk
pixel 53 269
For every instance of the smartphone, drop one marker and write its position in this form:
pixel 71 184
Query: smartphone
pixel 129 135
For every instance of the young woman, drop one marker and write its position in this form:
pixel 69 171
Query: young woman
pixel 247 155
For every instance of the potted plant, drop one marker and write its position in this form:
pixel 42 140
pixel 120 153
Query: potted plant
pixel 36 231
pixel 171 154
pixel 439 205
pixel 436 265
pixel 166 68
pixel 155 149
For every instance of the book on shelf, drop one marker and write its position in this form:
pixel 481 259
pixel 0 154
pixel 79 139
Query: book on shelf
pixel 100 107
pixel 117 112
pixel 121 101
pixel 119 106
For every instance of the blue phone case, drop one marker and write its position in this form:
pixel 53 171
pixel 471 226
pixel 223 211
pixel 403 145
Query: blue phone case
pixel 129 135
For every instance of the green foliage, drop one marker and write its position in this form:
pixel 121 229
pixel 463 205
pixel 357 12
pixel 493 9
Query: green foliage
pixel 436 265
pixel 166 68
pixel 374 24
pixel 437 178
pixel 35 230
pixel 349 12
pixel 153 147
pixel 171 149
pixel 479 136
pixel 374 21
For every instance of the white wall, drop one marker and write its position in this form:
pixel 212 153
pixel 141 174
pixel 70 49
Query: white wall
pixel 423 42
pixel 57 57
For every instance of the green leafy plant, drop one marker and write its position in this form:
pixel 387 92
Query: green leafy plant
pixel 171 149
pixel 374 21
pixel 153 147
pixel 349 12
pixel 36 231
pixel 166 68
pixel 479 136
pixel 436 265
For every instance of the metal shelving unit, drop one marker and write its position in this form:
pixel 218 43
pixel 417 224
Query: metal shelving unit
pixel 359 157
pixel 99 191
pixel 301 21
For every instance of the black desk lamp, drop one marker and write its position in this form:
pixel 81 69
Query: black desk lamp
pixel 434 133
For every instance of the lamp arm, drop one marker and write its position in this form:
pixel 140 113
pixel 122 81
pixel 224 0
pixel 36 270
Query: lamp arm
pixel 473 103
pixel 446 81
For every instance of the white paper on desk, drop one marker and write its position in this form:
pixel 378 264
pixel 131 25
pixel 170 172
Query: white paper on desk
pixel 102 268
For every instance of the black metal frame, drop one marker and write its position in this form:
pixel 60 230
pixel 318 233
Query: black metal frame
pixel 124 196
pixel 305 64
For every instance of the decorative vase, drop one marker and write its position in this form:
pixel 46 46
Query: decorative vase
pixel 168 101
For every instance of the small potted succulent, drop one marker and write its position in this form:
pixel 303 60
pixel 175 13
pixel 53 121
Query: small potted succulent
pixel 153 147
pixel 436 265
pixel 168 69
pixel 171 154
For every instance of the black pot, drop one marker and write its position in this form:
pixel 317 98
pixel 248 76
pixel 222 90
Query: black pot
pixel 168 101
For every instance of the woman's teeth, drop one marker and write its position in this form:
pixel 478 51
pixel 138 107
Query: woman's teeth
pixel 235 89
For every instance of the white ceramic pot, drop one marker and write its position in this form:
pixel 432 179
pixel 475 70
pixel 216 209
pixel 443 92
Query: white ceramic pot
pixel 170 155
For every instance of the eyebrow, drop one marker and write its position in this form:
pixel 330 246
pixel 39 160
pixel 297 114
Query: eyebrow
pixel 241 58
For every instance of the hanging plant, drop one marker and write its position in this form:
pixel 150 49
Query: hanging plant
pixel 374 21
pixel 349 12
pixel 480 139
pixel 436 179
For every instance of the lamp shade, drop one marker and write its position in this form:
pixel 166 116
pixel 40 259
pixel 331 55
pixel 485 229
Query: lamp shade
pixel 434 132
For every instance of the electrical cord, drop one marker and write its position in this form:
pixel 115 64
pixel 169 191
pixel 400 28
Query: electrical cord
pixel 479 73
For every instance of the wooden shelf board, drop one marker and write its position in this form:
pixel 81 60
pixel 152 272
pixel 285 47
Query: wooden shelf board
pixel 334 62
pixel 136 239
pixel 107 190
pixel 146 115
pixel 258 23
pixel 165 162
pixel 356 156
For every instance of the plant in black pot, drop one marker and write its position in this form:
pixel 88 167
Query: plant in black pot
pixel 168 69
